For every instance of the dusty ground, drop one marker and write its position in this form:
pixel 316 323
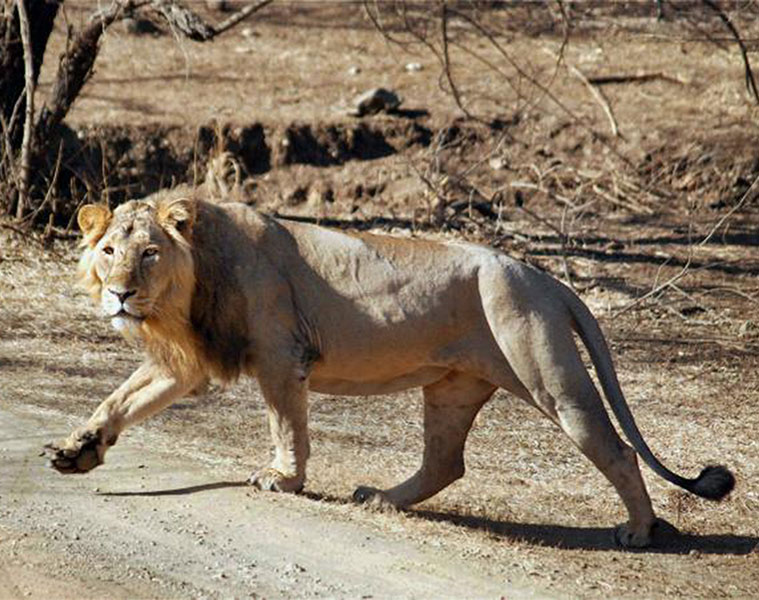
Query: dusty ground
pixel 166 515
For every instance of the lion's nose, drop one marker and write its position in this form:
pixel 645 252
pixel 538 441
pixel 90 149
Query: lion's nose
pixel 122 295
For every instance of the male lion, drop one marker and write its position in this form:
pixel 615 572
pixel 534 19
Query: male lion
pixel 215 291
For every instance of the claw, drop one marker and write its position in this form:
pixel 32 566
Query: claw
pixel 271 480
pixel 373 498
pixel 364 494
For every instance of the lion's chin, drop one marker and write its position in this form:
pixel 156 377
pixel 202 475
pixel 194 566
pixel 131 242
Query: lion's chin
pixel 127 325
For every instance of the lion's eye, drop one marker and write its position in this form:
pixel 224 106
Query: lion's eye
pixel 150 252
pixel 108 250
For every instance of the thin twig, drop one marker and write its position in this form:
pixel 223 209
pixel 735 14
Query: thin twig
pixel 8 158
pixel 446 59
pixel 31 217
pixel 729 213
pixel 672 280
pixel 564 43
pixel 595 92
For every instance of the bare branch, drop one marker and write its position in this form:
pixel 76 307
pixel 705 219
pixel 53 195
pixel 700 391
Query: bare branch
pixel 29 113
pixel 446 60
pixel 240 15
pixel 183 20
pixel 636 78
pixel 75 67
pixel 749 73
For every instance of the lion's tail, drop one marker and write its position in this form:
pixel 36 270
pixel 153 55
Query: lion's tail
pixel 714 482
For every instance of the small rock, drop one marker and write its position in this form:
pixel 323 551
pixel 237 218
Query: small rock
pixel 354 70
pixel 498 163
pixel 217 5
pixel 413 67
pixel 248 32
pixel 376 100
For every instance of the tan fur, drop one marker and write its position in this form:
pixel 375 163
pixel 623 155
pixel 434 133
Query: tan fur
pixel 221 290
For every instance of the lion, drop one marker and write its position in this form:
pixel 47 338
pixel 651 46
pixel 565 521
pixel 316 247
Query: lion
pixel 218 290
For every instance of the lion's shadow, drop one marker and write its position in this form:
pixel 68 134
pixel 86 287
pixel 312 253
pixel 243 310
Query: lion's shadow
pixel 181 491
pixel 666 540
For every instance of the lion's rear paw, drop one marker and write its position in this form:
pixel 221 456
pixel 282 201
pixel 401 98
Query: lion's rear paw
pixel 272 480
pixel 660 532
pixel 627 538
pixel 78 454
pixel 373 498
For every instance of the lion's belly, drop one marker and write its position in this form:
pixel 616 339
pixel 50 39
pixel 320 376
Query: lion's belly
pixel 368 387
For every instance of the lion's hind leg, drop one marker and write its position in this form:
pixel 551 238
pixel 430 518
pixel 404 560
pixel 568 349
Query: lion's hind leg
pixel 583 418
pixel 450 406
pixel 546 361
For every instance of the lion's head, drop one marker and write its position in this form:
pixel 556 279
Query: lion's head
pixel 138 265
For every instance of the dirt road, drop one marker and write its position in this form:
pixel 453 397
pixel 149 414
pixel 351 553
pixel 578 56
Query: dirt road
pixel 158 524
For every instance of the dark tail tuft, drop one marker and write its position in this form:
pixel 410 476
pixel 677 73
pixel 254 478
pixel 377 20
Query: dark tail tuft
pixel 714 483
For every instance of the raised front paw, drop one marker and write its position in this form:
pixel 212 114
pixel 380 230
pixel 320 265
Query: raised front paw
pixel 82 451
pixel 272 480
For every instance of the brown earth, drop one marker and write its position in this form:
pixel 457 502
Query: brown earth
pixel 658 209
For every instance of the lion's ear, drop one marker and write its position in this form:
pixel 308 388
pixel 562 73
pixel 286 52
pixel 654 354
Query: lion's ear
pixel 178 214
pixel 93 220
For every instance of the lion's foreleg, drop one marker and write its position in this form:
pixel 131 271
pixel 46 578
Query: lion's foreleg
pixel 147 391
pixel 287 402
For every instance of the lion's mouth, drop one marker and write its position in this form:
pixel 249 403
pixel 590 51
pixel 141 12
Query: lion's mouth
pixel 123 314
pixel 126 322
